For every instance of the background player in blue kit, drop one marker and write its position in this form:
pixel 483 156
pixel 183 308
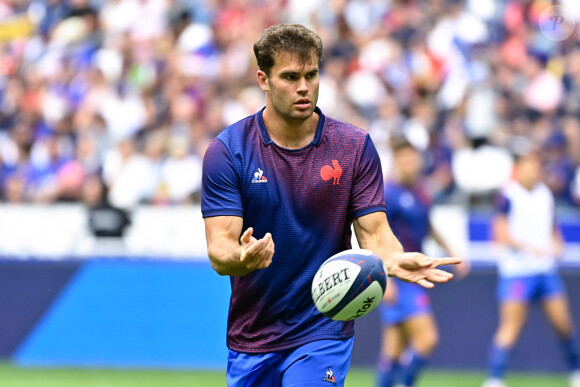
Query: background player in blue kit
pixel 525 229
pixel 290 174
pixel 409 333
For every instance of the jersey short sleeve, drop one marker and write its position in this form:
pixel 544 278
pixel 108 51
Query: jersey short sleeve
pixel 502 205
pixel 367 193
pixel 391 201
pixel 220 190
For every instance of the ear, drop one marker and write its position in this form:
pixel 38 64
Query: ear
pixel 263 80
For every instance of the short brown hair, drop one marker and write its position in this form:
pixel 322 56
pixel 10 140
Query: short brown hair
pixel 400 143
pixel 292 38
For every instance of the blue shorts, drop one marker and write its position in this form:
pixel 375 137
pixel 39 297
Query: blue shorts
pixel 321 363
pixel 412 300
pixel 530 288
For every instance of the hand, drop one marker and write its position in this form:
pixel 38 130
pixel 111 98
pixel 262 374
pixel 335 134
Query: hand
pixel 256 253
pixel 462 269
pixel 535 251
pixel 559 250
pixel 421 269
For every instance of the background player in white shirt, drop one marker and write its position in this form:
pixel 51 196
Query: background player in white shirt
pixel 530 242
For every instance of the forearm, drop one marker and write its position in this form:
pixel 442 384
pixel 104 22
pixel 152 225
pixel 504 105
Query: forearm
pixel 373 233
pixel 383 243
pixel 558 242
pixel 513 244
pixel 224 255
pixel 507 241
pixel 503 237
pixel 440 240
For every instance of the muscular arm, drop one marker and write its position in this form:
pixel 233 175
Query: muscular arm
pixel 558 241
pixel 373 233
pixel 439 239
pixel 232 256
pixel 461 270
pixel 501 230
pixel 502 235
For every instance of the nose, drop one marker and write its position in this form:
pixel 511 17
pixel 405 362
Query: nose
pixel 302 86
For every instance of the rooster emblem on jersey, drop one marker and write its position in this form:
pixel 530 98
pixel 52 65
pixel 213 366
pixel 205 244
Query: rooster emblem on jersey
pixel 327 172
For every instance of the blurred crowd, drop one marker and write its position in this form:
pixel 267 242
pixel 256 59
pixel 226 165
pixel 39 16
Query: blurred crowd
pixel 132 91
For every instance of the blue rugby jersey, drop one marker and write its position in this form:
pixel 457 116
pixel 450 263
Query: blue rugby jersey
pixel 306 198
pixel 408 214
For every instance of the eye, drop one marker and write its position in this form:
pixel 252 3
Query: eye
pixel 311 75
pixel 290 77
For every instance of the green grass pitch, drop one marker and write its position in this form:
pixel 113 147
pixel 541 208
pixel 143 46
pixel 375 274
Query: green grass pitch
pixel 11 376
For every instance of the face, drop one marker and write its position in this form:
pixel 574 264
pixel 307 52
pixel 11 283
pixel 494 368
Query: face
pixel 92 191
pixel 15 187
pixel 407 162
pixel 292 87
pixel 528 170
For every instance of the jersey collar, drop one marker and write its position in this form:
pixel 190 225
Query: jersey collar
pixel 317 136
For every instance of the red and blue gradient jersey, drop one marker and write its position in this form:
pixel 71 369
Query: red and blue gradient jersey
pixel 408 214
pixel 306 198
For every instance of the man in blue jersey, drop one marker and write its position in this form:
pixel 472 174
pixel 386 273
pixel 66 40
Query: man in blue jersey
pixel 290 174
pixel 530 241
pixel 409 332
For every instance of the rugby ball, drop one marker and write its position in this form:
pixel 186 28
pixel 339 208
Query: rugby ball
pixel 349 284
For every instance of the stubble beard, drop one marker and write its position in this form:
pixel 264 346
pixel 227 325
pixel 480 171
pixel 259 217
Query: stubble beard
pixel 286 113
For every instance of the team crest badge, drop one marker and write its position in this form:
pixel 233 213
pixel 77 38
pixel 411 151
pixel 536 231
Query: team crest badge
pixel 333 172
pixel 329 377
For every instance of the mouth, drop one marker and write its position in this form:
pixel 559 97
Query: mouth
pixel 302 103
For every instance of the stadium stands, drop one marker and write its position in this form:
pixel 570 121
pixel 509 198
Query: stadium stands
pixel 133 90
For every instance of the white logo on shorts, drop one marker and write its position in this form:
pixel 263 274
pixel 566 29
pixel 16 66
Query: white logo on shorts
pixel 329 377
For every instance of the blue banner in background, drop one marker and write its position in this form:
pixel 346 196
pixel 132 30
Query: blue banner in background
pixel 124 313
pixel 169 314
pixel 479 227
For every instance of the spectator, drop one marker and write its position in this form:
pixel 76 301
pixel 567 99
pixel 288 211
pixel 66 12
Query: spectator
pixel 104 219
pixel 181 173
pixel 443 73
pixel 125 174
pixel 15 189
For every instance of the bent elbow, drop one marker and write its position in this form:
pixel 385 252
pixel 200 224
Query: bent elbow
pixel 215 263
pixel 223 263
pixel 218 268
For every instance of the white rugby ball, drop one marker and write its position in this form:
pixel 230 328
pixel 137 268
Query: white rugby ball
pixel 349 284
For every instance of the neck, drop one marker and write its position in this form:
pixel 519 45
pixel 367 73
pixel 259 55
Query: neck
pixel 408 182
pixel 529 185
pixel 289 134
